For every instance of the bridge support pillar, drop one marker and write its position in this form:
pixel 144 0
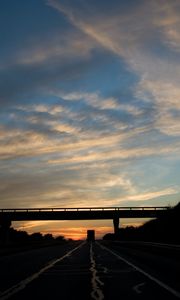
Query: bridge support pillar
pixel 5 224
pixel 116 225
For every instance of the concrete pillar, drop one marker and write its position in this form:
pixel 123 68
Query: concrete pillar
pixel 5 224
pixel 116 225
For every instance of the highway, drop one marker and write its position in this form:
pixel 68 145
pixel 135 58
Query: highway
pixel 92 270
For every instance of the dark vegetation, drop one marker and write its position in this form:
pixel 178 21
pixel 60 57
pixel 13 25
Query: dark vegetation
pixel 13 240
pixel 165 229
pixel 18 236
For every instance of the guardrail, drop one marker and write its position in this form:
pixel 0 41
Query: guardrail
pixel 11 210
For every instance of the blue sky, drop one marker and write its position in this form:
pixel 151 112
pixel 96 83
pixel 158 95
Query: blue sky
pixel 89 103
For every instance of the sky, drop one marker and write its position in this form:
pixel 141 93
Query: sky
pixel 89 106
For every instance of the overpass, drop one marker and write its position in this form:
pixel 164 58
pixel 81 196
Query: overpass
pixel 82 213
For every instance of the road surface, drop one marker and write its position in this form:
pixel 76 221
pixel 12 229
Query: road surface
pixel 92 270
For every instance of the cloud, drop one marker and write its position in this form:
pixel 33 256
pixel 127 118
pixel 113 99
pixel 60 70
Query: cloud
pixel 121 153
pixel 27 72
pixel 115 32
pixel 97 101
pixel 167 20
pixel 61 135
pixel 165 96
pixel 70 45
pixel 72 145
pixel 168 124
pixel 152 195
pixel 61 45
pixel 41 171
pixel 139 46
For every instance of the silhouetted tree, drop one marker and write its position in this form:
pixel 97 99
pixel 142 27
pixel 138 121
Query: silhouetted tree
pixel 48 237
pixel 36 236
pixel 60 238
pixel 162 229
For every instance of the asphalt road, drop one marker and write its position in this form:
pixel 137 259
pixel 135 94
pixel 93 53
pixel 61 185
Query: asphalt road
pixel 98 270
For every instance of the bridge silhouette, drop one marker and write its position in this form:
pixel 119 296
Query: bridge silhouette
pixel 80 213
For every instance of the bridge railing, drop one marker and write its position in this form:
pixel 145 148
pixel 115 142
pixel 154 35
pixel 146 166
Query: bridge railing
pixel 13 210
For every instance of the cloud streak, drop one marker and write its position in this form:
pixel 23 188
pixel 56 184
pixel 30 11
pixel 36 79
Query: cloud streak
pixel 159 75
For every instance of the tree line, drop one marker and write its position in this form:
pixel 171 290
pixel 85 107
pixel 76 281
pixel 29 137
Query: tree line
pixel 14 236
pixel 165 229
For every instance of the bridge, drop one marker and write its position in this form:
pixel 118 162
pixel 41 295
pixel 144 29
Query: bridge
pixel 81 213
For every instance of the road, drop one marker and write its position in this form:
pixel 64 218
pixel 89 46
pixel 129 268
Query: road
pixel 92 270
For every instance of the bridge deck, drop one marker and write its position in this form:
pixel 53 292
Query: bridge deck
pixel 81 213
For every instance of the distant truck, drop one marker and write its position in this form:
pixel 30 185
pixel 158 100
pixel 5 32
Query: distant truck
pixel 90 235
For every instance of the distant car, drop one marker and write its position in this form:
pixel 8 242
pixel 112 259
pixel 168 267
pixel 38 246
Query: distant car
pixel 90 235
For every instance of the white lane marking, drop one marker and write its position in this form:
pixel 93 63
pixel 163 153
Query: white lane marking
pixel 159 282
pixel 169 246
pixel 165 246
pixel 22 284
pixel 137 287
pixel 96 293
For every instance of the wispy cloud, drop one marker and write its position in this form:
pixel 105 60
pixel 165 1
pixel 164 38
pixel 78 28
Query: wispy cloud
pixel 167 20
pixel 152 195
pixel 52 49
pixel 97 101
pixel 131 43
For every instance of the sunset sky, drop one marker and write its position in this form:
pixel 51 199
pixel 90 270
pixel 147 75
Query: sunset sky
pixel 89 106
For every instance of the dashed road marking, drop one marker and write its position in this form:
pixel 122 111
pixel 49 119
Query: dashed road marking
pixel 137 288
pixel 97 292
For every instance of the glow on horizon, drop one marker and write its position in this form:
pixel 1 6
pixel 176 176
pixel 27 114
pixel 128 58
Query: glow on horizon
pixel 74 229
pixel 74 233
